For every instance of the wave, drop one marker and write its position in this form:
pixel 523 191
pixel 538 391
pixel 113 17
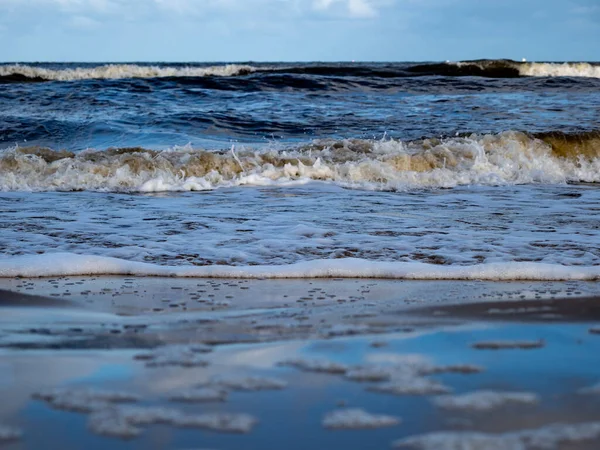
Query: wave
pixel 560 70
pixel 23 72
pixel 492 159
pixel 505 68
pixel 501 68
pixel 70 264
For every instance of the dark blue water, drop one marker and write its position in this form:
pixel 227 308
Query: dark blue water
pixel 262 103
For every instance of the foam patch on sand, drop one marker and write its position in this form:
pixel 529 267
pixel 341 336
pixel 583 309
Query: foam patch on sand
pixel 456 368
pixel 388 366
pixel 393 374
pixel 124 421
pixel 509 345
pixel 347 330
pixel 411 386
pixel 176 355
pixel 110 417
pixel 316 365
pixel 485 400
pixel 356 418
pixel 545 438
pixel 370 374
pixel 406 375
pixel 8 434
pixel 83 400
pixel 595 389
pixel 247 383
pixel 70 264
pixel 200 395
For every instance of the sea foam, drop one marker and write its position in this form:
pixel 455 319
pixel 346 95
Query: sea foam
pixel 493 67
pixel 121 71
pixel 70 264
pixel 507 158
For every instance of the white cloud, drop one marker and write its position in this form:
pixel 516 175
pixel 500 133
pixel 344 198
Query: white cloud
pixel 589 9
pixel 83 23
pixel 358 9
pixel 82 12
pixel 361 9
pixel 97 6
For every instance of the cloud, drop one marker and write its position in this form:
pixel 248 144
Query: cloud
pixel 352 9
pixel 361 9
pixel 299 29
pixel 358 9
pixel 84 23
pixel 586 9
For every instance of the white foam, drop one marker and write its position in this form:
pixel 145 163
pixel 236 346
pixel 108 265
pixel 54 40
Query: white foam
pixel 484 400
pixel 594 389
pixel 455 368
pixel 461 441
pixel 316 365
pixel 120 71
pixel 176 355
pixel 508 345
pixel 200 395
pixel 247 383
pixel 392 367
pixel 356 418
pixel 411 385
pixel 548 437
pixel 123 421
pixel 539 69
pixel 108 422
pixel 567 69
pixel 402 374
pixel 83 400
pixel 221 422
pixel 8 434
pixel 505 159
pixel 69 264
pixel 342 329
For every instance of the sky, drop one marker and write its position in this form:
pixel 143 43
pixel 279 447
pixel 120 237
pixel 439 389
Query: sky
pixel 298 30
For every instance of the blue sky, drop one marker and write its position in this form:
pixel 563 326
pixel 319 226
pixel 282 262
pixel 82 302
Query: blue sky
pixel 298 30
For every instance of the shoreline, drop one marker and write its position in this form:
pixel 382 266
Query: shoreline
pixel 329 345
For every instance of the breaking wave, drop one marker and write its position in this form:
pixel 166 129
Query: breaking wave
pixel 494 159
pixel 22 72
pixel 505 68
pixel 501 68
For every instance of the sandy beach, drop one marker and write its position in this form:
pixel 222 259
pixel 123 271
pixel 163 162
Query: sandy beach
pixel 256 364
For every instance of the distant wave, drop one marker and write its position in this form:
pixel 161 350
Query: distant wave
pixel 502 68
pixel 23 72
pixel 505 158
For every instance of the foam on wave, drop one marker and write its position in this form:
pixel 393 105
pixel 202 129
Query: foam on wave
pixel 494 68
pixel 505 158
pixel 580 69
pixel 70 264
pixel 534 69
pixel 119 71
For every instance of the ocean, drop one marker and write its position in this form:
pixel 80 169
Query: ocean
pixel 470 170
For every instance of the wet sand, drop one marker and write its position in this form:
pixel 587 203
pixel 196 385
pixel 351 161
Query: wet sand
pixel 259 364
